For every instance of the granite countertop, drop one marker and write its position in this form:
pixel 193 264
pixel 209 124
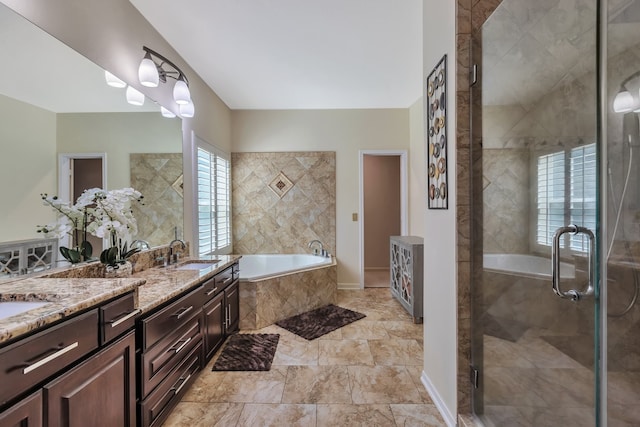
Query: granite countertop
pixel 163 284
pixel 66 296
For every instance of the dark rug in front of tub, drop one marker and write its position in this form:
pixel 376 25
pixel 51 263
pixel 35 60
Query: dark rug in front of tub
pixel 248 352
pixel 321 321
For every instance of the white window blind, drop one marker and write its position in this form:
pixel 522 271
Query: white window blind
pixel 214 201
pixel 565 199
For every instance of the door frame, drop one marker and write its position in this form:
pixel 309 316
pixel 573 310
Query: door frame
pixel 64 179
pixel 404 229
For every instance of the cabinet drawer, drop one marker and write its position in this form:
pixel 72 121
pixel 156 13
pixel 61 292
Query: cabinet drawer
pixel 210 289
pixel 171 317
pixel 224 278
pixel 162 358
pixel 117 317
pixel 155 408
pixel 33 359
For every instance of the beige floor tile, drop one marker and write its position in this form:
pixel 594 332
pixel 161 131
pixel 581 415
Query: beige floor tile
pixel 415 372
pixel 404 330
pixel 296 351
pixel 317 384
pixel 345 352
pixel 261 415
pixel 256 387
pixel 365 330
pixel 355 416
pixel 396 352
pixel 192 414
pixel 417 415
pixel 382 384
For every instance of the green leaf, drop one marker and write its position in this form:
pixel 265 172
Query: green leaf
pixel 86 249
pixel 71 255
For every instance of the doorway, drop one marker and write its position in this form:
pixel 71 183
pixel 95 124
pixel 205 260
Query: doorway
pixel 382 210
pixel 78 172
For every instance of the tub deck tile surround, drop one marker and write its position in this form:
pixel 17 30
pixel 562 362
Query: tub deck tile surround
pixel 264 302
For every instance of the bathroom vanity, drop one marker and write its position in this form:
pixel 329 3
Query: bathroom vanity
pixel 114 351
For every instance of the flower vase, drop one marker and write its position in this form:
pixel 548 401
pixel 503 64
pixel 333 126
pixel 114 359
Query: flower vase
pixel 118 271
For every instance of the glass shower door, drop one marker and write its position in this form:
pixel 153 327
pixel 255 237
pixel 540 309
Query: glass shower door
pixel 535 199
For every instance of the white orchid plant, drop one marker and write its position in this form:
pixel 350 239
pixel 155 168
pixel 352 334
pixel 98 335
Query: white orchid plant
pixel 101 213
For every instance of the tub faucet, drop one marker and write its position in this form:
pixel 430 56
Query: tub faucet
pixel 315 250
pixel 174 257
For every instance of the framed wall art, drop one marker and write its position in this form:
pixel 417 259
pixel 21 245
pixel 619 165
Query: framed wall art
pixel 437 186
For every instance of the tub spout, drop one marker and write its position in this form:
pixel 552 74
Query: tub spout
pixel 314 249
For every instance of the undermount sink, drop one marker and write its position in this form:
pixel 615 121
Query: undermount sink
pixel 13 308
pixel 199 264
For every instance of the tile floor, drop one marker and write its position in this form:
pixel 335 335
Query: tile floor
pixel 364 374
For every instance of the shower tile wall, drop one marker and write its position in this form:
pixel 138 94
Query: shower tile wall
pixel 156 176
pixel 265 223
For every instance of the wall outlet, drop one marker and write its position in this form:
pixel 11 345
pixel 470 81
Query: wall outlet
pixel 354 216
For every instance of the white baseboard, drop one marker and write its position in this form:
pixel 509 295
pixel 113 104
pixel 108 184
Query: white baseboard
pixel 449 418
pixel 349 286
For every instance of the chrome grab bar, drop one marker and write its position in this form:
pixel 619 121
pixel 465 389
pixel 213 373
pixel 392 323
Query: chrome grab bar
pixel 572 294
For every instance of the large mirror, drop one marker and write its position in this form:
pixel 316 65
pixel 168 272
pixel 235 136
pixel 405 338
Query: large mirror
pixel 56 114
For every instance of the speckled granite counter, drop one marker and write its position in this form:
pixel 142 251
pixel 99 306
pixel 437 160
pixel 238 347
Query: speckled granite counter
pixel 163 284
pixel 66 296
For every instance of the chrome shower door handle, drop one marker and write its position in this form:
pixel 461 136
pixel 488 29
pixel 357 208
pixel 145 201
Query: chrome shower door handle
pixel 572 294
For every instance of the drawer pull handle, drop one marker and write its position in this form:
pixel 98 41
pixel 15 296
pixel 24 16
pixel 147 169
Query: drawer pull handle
pixel 211 291
pixel 183 311
pixel 124 318
pixel 179 349
pixel 49 358
pixel 227 280
pixel 184 381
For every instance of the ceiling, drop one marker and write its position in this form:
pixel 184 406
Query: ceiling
pixel 298 54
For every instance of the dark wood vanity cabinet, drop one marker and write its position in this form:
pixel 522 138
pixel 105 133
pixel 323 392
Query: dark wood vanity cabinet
pixel 221 309
pixel 78 372
pixel 99 392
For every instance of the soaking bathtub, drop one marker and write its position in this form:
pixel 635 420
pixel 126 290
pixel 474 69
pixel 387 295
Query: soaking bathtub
pixel 276 286
pixel 525 265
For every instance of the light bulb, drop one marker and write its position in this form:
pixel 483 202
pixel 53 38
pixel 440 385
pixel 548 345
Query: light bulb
pixel 187 110
pixel 181 94
pixel 134 97
pixel 623 102
pixel 148 72
pixel 166 113
pixel 113 81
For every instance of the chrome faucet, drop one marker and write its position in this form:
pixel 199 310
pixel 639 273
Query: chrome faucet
pixel 314 250
pixel 174 257
pixel 139 243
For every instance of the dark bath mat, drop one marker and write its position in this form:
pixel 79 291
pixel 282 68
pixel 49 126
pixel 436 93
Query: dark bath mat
pixel 316 323
pixel 248 352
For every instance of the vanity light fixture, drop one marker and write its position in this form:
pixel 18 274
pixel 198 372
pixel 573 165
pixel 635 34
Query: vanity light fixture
pixel 187 110
pixel 623 102
pixel 113 80
pixel 166 113
pixel 134 97
pixel 152 71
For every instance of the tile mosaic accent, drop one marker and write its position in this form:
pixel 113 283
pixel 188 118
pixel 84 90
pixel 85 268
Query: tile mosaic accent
pixel 281 185
pixel 158 176
pixel 263 222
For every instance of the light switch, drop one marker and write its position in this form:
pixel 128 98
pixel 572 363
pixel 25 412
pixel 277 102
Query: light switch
pixel 354 216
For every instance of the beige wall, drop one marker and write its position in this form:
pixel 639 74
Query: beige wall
pixel 417 170
pixel 342 131
pixel 27 168
pixel 111 34
pixel 381 207
pixel 440 257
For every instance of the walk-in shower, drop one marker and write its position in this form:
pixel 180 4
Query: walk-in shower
pixel 556 181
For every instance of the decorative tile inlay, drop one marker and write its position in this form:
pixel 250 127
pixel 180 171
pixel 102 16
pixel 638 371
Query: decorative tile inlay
pixel 179 185
pixel 281 185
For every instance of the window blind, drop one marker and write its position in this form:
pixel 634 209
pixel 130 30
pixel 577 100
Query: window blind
pixel 214 201
pixel 567 198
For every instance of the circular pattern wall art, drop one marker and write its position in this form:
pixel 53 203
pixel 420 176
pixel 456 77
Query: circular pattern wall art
pixel 437 194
